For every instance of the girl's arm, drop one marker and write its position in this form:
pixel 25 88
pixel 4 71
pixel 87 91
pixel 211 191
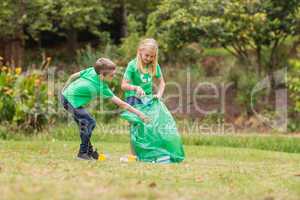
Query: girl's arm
pixel 161 87
pixel 71 79
pixel 128 107
pixel 126 86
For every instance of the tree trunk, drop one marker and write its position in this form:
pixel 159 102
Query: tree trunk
pixel 72 43
pixel 13 47
pixel 119 25
pixel 271 68
pixel 124 25
pixel 12 52
pixel 258 57
pixel 18 42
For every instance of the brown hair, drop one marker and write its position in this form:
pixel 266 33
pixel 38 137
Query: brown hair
pixel 147 43
pixel 104 66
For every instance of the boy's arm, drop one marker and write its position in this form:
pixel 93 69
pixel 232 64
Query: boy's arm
pixel 71 79
pixel 128 107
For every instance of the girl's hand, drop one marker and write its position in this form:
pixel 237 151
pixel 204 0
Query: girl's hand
pixel 139 91
pixel 156 96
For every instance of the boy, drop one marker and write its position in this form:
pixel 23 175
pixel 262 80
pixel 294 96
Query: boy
pixel 80 89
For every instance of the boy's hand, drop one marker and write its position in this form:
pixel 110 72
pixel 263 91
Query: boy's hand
pixel 145 118
pixel 139 91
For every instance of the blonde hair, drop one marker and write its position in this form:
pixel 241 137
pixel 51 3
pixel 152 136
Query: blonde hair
pixel 152 44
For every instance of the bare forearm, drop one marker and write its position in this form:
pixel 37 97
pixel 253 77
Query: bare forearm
pixel 161 88
pixel 127 86
pixel 126 106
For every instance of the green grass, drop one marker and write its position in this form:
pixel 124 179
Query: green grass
pixel 283 143
pixel 118 132
pixel 43 169
pixel 217 52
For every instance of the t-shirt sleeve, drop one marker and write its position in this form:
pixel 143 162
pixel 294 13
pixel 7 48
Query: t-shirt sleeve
pixel 105 92
pixel 158 71
pixel 128 72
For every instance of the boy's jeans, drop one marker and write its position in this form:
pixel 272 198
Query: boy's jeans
pixel 85 122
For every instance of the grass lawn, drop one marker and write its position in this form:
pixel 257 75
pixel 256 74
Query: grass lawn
pixel 45 169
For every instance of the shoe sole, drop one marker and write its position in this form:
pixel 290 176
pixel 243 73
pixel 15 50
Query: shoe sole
pixel 78 158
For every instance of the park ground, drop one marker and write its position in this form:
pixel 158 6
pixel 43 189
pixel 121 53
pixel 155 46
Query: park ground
pixel 47 169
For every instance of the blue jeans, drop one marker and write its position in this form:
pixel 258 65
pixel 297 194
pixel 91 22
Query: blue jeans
pixel 85 123
pixel 133 100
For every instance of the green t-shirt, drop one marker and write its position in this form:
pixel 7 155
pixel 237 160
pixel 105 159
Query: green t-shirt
pixel 137 78
pixel 86 88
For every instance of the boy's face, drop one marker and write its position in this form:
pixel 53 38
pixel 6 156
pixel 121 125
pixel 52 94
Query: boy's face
pixel 109 76
pixel 147 55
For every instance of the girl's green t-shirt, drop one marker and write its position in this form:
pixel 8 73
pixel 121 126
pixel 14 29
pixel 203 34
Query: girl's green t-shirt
pixel 137 78
pixel 86 88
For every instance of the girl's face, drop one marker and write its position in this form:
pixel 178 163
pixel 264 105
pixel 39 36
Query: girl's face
pixel 147 55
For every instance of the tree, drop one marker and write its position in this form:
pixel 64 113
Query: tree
pixel 136 10
pixel 73 16
pixel 18 20
pixel 11 29
pixel 240 26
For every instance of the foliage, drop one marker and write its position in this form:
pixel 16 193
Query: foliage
pixel 8 77
pixel 31 15
pixel 87 56
pixel 293 83
pixel 65 18
pixel 244 86
pixel 129 45
pixel 24 98
pixel 238 26
pixel 76 15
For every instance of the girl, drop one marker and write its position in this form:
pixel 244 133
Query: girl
pixel 139 74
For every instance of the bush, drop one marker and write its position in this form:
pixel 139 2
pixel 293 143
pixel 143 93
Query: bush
pixel 128 48
pixel 293 82
pixel 87 56
pixel 24 98
pixel 245 81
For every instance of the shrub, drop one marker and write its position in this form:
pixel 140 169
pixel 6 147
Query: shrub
pixel 293 83
pixel 24 98
pixel 245 82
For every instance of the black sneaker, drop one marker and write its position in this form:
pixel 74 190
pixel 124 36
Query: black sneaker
pixel 83 156
pixel 94 154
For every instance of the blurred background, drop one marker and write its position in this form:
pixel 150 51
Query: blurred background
pixel 227 63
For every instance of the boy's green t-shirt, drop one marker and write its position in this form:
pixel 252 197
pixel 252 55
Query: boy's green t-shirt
pixel 86 88
pixel 137 78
